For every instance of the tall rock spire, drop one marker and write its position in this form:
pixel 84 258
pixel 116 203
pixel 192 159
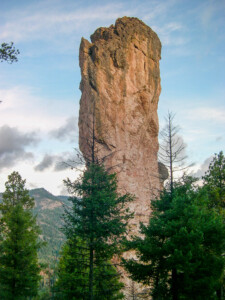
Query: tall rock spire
pixel 120 88
pixel 120 92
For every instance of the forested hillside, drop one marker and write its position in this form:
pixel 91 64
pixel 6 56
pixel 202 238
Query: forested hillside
pixel 49 210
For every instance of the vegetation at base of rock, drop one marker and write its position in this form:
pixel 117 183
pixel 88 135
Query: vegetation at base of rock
pixel 19 269
pixel 95 226
pixel 182 246
pixel 214 182
pixel 73 275
pixel 181 252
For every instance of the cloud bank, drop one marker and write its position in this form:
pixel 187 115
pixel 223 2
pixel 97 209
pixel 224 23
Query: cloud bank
pixel 58 162
pixel 68 131
pixel 13 146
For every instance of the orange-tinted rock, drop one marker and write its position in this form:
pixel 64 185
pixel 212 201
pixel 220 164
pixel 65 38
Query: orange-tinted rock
pixel 120 87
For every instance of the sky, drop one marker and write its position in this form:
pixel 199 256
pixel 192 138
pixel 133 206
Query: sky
pixel 40 93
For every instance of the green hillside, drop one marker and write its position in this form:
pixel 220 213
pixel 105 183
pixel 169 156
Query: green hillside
pixel 49 210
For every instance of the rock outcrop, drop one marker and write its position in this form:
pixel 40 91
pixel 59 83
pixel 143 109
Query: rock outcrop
pixel 120 91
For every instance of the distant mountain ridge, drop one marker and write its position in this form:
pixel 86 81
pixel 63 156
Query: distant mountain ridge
pixel 49 210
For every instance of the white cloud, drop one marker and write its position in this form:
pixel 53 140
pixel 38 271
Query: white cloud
pixel 48 21
pixel 172 33
pixel 21 108
pixel 211 114
pixel 50 180
pixel 158 9
pixel 24 116
pixel 53 22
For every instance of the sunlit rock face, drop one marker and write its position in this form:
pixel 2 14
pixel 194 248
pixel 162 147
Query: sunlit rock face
pixel 120 92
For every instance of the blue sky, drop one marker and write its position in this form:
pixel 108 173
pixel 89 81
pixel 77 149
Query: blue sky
pixel 40 93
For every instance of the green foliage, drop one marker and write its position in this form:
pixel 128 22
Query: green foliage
pixel 72 272
pixel 180 255
pixel 73 275
pixel 19 270
pixel 99 219
pixel 8 53
pixel 214 182
pixel 214 186
pixel 99 215
pixel 49 210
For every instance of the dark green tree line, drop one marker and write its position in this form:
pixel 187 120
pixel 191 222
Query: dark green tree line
pixel 214 186
pixel 185 236
pixel 19 270
pixel 214 182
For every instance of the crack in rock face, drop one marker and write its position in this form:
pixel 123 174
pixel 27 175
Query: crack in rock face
pixel 120 92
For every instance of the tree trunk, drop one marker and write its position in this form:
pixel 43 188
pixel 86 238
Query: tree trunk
pixel 91 279
pixel 174 285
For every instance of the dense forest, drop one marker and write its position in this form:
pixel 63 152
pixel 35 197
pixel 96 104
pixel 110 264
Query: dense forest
pixel 181 252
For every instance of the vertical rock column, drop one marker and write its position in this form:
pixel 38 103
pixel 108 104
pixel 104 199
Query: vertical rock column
pixel 120 88
pixel 120 92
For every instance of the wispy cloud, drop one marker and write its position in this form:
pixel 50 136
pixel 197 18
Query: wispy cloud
pixel 158 9
pixel 171 34
pixel 54 22
pixel 50 21
pixel 212 114
pixel 21 108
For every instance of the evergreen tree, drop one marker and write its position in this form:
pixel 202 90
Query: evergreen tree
pixel 214 186
pixel 19 270
pixel 172 155
pixel 73 275
pixel 95 226
pixel 214 181
pixel 182 235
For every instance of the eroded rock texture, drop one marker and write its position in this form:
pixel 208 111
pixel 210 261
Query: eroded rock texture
pixel 120 88
pixel 120 91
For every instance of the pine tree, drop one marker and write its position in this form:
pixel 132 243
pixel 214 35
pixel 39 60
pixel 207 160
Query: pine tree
pixel 214 181
pixel 172 155
pixel 182 235
pixel 214 185
pixel 73 275
pixel 19 270
pixel 96 226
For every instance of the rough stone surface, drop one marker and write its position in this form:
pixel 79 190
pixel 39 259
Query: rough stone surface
pixel 120 91
pixel 163 173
